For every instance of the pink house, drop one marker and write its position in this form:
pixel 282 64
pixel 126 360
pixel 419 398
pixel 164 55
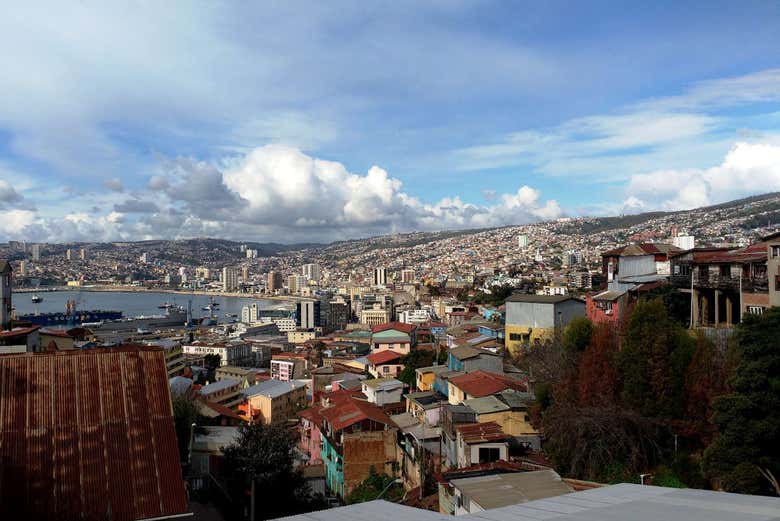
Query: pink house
pixel 311 437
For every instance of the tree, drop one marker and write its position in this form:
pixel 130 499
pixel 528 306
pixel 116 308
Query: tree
pixel 597 378
pixel 263 457
pixel 745 454
pixel 414 360
pixel 371 487
pixel 185 414
pixel 655 353
pixel 577 335
pixel 608 444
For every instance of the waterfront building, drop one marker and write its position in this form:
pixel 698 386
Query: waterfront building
pixel 312 272
pixel 229 279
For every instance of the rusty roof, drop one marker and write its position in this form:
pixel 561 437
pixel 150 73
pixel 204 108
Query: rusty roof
pixel 645 248
pixel 481 432
pixel 353 411
pixel 484 383
pixel 398 326
pixel 88 435
pixel 756 252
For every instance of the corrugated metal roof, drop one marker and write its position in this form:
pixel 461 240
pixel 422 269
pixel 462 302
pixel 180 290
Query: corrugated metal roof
pixel 219 385
pixel 273 388
pixel 612 503
pixel 500 490
pixel 88 435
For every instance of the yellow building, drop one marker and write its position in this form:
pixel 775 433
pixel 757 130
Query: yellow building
pixel 426 376
pixel 508 409
pixel 273 401
pixel 532 319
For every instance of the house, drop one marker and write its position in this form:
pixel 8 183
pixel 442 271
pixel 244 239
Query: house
pixel 772 242
pixel 272 401
pixel 288 366
pixel 230 353
pixel 480 493
pixel 208 444
pixel 383 391
pixel 468 359
pixel 534 319
pixel 395 336
pixel 246 375
pixel 509 409
pixel 425 406
pixel 384 364
pixel 419 448
pixel 723 283
pixel 225 392
pixel 311 437
pixel 480 443
pixel 426 376
pixel 21 340
pixel 629 270
pixel 480 383
pixel 89 435
pixel 442 380
pixel 62 338
pixel 356 436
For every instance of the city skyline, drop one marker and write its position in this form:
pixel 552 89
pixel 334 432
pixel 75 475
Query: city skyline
pixel 267 124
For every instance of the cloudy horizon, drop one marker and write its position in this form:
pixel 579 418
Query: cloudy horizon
pixel 295 122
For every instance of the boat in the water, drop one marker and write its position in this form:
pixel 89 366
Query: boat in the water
pixel 71 318
pixel 36 299
pixel 166 305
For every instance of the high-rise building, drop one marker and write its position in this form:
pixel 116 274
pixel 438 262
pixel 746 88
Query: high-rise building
pixel 294 283
pixel 380 276
pixel 144 258
pixel 312 271
pixel 83 254
pixel 339 313
pixel 245 273
pixel 274 282
pixel 407 276
pixel 229 279
pixel 23 268
pixel 249 314
pixel 307 314
pixel 251 254
pixel 69 254
pixel 36 252
pixel 522 241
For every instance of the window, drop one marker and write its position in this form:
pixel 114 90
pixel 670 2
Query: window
pixel 755 310
pixel 386 369
pixel 515 337
pixel 775 251
pixel 489 454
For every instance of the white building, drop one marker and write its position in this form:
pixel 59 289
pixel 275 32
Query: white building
pixel 230 353
pixel 407 276
pixel 684 242
pixel 229 279
pixel 312 271
pixel 249 314
pixel 36 252
pixel 415 316
pixel 381 391
pixel 522 241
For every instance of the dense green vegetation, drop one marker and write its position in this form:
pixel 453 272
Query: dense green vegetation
pixel 416 359
pixel 374 485
pixel 651 397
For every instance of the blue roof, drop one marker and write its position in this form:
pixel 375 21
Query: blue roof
pixel 479 339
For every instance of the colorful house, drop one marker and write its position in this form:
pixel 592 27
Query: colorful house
pixel 395 336
pixel 384 364
pixel 534 319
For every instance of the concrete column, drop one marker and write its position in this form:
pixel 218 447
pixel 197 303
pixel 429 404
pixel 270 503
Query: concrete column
pixel 717 307
pixel 729 311
pixel 694 309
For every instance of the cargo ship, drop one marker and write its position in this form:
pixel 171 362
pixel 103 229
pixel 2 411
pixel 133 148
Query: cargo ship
pixel 70 318
pixel 174 317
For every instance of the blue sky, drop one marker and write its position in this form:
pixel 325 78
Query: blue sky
pixel 291 121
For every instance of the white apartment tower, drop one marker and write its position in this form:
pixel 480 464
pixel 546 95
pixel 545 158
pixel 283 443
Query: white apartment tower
pixel 522 241
pixel 312 271
pixel 36 252
pixel 407 276
pixel 229 279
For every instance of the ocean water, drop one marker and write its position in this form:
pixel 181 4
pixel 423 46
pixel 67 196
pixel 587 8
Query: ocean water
pixel 137 303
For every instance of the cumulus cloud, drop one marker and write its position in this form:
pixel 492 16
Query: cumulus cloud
pixel 279 193
pixel 747 169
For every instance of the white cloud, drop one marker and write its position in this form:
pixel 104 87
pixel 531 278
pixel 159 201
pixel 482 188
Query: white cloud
pixel 275 193
pixel 747 169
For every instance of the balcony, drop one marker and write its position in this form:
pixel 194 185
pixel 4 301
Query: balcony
pixel 716 281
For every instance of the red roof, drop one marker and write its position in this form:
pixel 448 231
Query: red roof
pixel 483 383
pixel 18 331
pixel 383 357
pixel 313 414
pixel 88 435
pixel 754 253
pixel 399 326
pixel 481 432
pixel 645 248
pixel 353 411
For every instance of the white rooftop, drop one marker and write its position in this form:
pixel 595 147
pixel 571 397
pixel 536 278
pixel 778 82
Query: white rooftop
pixel 624 502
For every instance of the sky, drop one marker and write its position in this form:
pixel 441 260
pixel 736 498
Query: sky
pixel 318 121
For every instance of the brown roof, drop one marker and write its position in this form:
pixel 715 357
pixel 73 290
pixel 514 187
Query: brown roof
pixel 400 326
pixel 88 435
pixel 383 357
pixel 353 411
pixel 481 432
pixel 754 253
pixel 645 248
pixel 484 383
